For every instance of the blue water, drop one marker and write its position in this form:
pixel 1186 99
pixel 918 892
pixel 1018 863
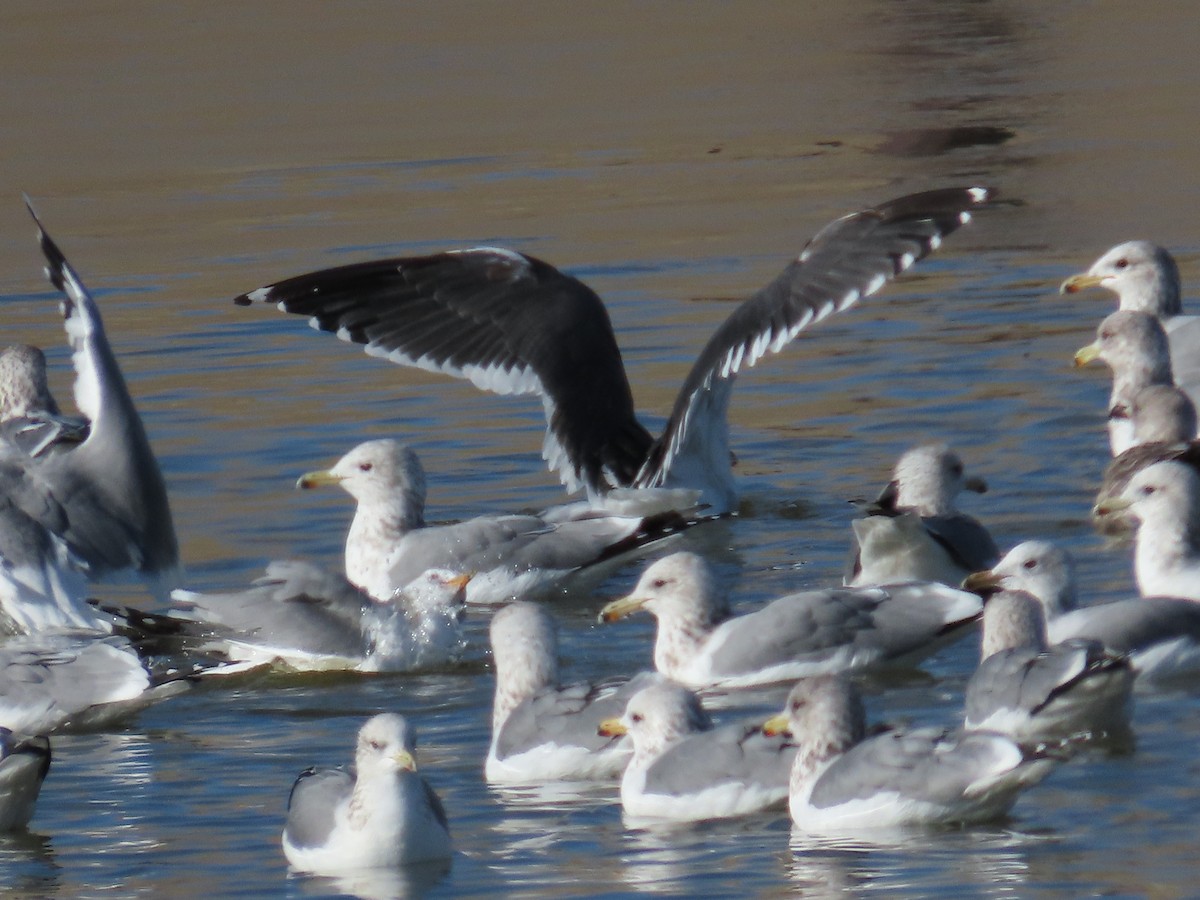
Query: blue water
pixel 675 157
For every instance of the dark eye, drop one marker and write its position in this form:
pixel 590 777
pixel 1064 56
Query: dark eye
pixel 1030 564
pixel 659 582
pixel 1122 263
pixel 365 467
pixel 1148 490
pixel 375 745
pixel 635 717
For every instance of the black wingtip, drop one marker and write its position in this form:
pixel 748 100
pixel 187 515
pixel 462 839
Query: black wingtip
pixel 56 261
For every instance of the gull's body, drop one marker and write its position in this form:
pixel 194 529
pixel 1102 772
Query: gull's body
pixel 542 731
pixel 685 770
pixel 105 497
pixel 24 762
pixel 511 556
pixel 914 531
pixel 700 643
pixel 303 618
pixel 514 324
pixel 843 780
pixel 1160 635
pixel 381 816
pixel 1034 692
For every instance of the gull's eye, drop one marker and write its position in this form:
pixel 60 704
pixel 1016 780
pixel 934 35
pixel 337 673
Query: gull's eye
pixel 375 745
pixel 659 582
pixel 1030 564
pixel 365 467
pixel 635 717
pixel 798 705
pixel 1121 263
pixel 1148 490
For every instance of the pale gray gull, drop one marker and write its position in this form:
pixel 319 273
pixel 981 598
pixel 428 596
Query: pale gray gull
pixel 1038 693
pixel 511 556
pixel 914 531
pixel 1160 635
pixel 382 815
pixel 301 617
pixel 1164 500
pixel 1145 278
pixel 843 780
pixel 701 643
pixel 71 681
pixel 109 490
pixel 29 415
pixel 24 762
pixel 1134 347
pixel 683 769
pixel 514 324
pixel 542 731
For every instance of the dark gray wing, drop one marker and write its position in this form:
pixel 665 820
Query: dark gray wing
pixel 1127 626
pixel 1027 680
pixel 311 805
pixel 733 753
pixel 968 543
pixel 24 763
pixel 507 322
pixel 850 258
pixel 37 435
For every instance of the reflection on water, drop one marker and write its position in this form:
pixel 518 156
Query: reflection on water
pixel 675 163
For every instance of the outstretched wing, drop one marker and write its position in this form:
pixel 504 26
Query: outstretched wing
pixel 507 322
pixel 850 258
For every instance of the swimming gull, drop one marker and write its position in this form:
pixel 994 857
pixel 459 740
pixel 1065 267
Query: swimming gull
pixel 301 617
pixel 389 543
pixel 1145 278
pixel 1039 693
pixel 542 731
pixel 71 681
pixel 842 779
pixel 1160 635
pixel 701 643
pixel 1163 420
pixel 383 815
pixel 109 486
pixel 914 532
pixel 1164 499
pixel 1134 347
pixel 685 770
pixel 29 416
pixel 514 324
pixel 24 762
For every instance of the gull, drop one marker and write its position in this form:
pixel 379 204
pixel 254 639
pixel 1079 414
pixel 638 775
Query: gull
pixel 1160 635
pixel 1039 693
pixel 1145 279
pixel 1134 346
pixel 511 323
pixel 105 497
pixel 542 731
pixel 29 416
pixel 382 815
pixel 701 643
pixel 304 618
pixel 72 681
pixel 24 762
pixel 842 779
pixel 683 769
pixel 389 543
pixel 1164 499
pixel 914 532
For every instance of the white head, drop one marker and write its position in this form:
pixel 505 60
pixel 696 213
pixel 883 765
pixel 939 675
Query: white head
pixel 658 717
pixel 1134 346
pixel 436 590
pixel 1166 496
pixel 386 744
pixel 929 478
pixel 382 475
pixel 680 587
pixel 23 386
pixel 1038 568
pixel 1142 275
pixel 825 717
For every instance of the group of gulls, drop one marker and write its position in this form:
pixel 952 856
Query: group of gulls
pixel 84 500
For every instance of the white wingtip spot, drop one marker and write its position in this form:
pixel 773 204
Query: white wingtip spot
pixel 964 217
pixel 876 283
pixel 935 241
pixel 260 295
pixel 852 297
pixel 978 194
pixel 906 260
